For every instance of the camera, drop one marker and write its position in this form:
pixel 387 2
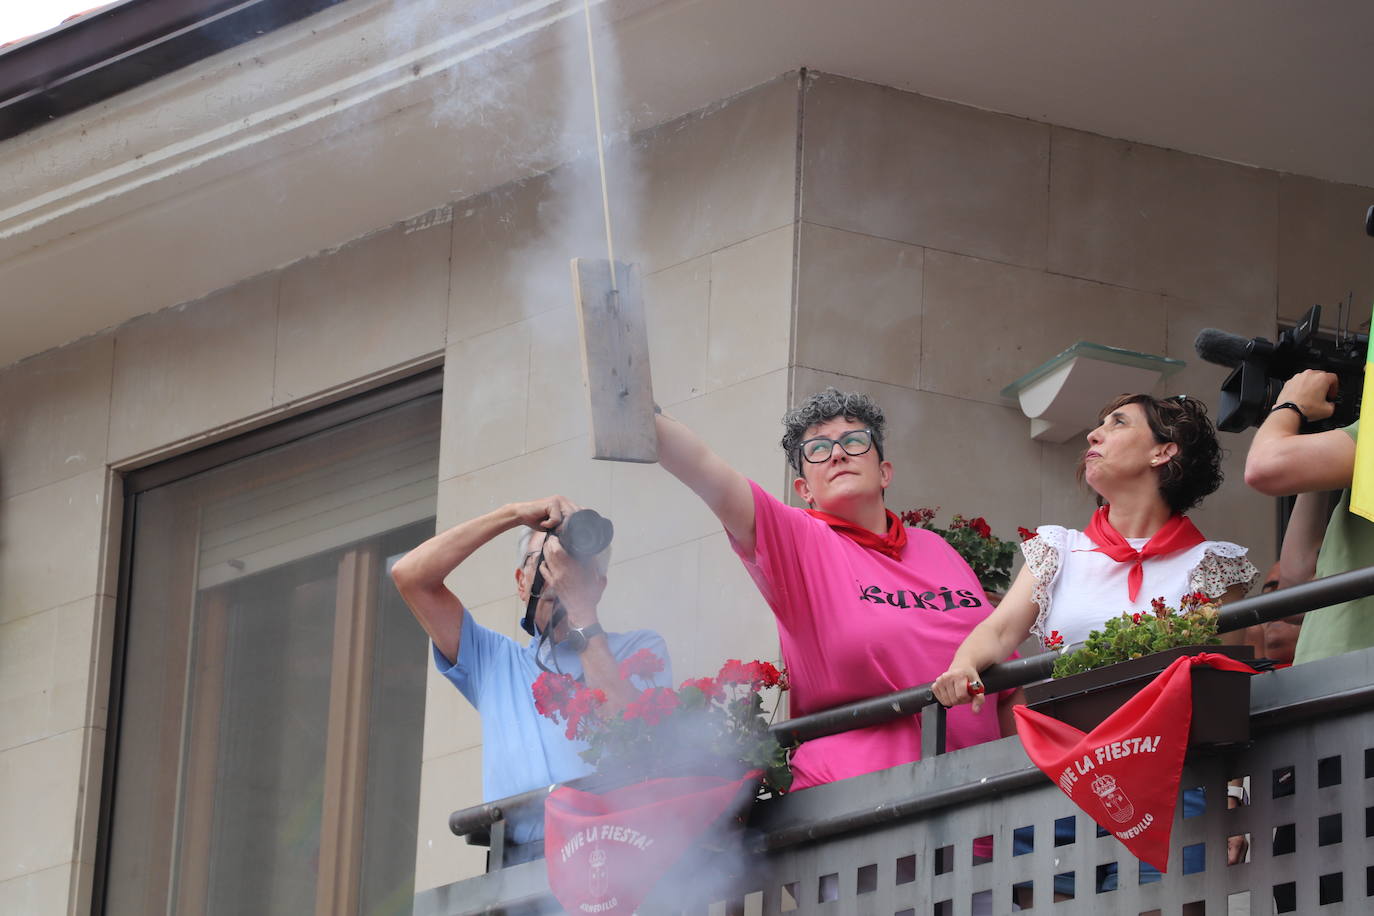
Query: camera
pixel 585 533
pixel 1262 366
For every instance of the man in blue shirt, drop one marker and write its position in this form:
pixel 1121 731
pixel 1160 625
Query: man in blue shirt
pixel 521 749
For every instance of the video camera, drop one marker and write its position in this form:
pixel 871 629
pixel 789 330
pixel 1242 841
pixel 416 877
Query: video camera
pixel 1261 367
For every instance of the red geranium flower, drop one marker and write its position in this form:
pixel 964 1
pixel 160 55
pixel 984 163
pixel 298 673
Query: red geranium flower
pixel 585 701
pixel 1026 533
pixel 1055 640
pixel 653 705
pixel 729 716
pixel 733 672
pixel 707 685
pixel 1135 618
pixel 1193 601
pixel 767 674
pixel 1161 609
pixel 917 518
pixel 558 696
pixel 582 704
pixel 643 664
pixel 980 526
pixel 552 693
pixel 755 674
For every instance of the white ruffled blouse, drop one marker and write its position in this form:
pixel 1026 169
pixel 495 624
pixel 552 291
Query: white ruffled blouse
pixel 1077 589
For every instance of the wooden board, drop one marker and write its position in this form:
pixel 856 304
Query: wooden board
pixel 615 360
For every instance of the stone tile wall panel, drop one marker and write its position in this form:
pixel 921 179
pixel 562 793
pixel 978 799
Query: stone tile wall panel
pixel 55 415
pixel 1162 221
pixel 184 371
pixel 901 166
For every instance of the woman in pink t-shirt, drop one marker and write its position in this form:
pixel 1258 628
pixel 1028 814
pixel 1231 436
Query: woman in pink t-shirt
pixel 1149 461
pixel 864 606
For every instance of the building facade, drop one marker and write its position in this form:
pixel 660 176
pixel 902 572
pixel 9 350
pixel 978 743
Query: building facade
pixel 793 232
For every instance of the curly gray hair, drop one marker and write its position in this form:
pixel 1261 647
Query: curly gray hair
pixel 826 405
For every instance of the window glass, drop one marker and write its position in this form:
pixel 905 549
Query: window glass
pixel 271 699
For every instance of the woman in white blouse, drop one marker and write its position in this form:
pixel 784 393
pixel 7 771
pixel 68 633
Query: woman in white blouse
pixel 1149 461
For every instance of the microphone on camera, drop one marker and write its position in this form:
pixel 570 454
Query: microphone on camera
pixel 1220 347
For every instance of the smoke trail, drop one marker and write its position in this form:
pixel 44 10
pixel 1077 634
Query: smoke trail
pixel 577 226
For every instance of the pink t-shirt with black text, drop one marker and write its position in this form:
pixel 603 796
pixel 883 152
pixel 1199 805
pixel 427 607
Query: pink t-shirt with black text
pixel 855 624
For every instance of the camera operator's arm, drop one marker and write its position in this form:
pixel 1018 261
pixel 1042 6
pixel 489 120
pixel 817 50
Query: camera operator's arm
pixel 724 490
pixel 1302 539
pixel 1282 462
pixel 419 575
pixel 579 588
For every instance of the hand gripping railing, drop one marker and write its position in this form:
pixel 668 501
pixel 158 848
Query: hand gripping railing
pixel 1298 599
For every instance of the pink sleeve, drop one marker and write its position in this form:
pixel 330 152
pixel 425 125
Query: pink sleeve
pixel 781 534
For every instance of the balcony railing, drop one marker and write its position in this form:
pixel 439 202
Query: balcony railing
pixel 899 842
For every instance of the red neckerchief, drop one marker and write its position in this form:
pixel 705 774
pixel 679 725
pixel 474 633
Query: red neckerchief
pixel 1177 534
pixel 890 544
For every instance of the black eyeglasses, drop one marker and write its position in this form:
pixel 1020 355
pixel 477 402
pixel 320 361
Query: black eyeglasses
pixel 854 443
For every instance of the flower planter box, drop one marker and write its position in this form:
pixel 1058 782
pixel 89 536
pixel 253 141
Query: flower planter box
pixel 1221 699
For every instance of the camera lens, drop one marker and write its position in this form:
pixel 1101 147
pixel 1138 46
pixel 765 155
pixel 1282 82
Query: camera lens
pixel 586 533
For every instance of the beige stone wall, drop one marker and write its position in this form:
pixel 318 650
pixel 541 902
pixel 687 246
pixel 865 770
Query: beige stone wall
pixel 921 250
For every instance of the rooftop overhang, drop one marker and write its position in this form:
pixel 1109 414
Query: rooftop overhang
pixel 104 51
pixel 369 112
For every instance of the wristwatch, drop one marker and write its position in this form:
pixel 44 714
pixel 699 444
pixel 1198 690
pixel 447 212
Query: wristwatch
pixel 578 637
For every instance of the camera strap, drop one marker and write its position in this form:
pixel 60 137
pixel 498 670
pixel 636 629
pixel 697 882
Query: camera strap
pixel 527 623
pixel 536 591
pixel 546 638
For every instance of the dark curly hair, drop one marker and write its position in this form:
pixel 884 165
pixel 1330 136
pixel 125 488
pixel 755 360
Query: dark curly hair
pixel 1195 471
pixel 826 405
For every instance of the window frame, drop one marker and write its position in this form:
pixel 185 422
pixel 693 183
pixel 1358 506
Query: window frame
pixel 360 562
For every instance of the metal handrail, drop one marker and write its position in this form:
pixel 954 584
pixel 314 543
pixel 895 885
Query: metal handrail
pixel 1298 599
pixel 1018 672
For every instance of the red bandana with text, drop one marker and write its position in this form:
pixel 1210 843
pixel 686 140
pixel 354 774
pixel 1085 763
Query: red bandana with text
pixel 1124 774
pixel 1177 534
pixel 604 853
pixel 890 544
